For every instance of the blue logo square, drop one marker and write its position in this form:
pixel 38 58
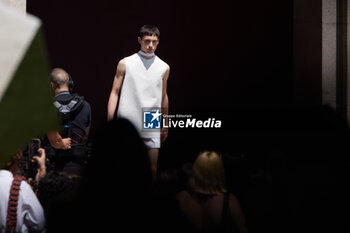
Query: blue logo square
pixel 151 119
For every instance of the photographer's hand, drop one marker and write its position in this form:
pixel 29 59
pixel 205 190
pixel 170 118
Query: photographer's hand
pixel 66 143
pixel 58 142
pixel 41 165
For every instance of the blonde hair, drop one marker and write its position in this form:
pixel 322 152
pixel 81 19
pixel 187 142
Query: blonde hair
pixel 207 174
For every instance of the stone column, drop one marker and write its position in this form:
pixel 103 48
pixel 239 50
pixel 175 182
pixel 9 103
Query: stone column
pixel 329 52
pixel 348 62
pixel 335 56
pixel 21 5
pixel 321 54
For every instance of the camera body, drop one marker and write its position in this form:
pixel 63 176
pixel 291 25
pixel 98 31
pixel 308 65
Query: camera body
pixel 33 148
pixel 27 166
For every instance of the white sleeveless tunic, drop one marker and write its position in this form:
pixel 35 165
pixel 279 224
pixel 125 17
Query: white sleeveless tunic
pixel 142 88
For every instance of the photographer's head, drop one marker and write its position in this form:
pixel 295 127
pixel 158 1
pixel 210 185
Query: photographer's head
pixel 59 80
pixel 13 164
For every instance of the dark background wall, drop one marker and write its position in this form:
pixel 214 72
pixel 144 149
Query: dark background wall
pixel 307 76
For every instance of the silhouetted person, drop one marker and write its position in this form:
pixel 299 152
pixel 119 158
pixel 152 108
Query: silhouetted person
pixel 57 192
pixel 115 192
pixel 206 204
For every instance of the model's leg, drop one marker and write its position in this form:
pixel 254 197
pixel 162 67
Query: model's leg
pixel 153 157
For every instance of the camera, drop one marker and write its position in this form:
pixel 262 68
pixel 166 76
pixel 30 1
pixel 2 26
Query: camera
pixel 33 148
pixel 27 167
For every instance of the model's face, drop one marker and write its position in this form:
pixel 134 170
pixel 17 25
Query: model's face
pixel 148 43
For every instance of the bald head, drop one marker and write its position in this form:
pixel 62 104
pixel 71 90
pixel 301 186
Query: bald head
pixel 59 78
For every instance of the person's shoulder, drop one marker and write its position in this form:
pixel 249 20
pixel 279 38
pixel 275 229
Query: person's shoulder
pixel 81 100
pixel 233 201
pixel 233 197
pixel 163 63
pixel 86 104
pixel 122 61
pixel 183 195
pixel 25 188
pixel 128 59
pixel 132 56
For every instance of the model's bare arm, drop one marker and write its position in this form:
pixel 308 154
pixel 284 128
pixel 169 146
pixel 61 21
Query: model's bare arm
pixel 165 104
pixel 117 84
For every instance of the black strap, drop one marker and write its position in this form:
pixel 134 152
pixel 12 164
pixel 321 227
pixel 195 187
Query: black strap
pixel 69 109
pixel 225 212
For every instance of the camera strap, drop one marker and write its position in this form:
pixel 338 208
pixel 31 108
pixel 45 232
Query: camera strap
pixel 13 202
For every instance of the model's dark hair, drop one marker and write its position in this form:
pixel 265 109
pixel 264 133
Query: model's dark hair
pixel 149 30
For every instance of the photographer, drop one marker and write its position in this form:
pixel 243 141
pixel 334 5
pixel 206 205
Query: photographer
pixel 75 115
pixel 20 210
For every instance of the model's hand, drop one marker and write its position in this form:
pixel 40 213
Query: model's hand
pixel 163 134
pixel 109 117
